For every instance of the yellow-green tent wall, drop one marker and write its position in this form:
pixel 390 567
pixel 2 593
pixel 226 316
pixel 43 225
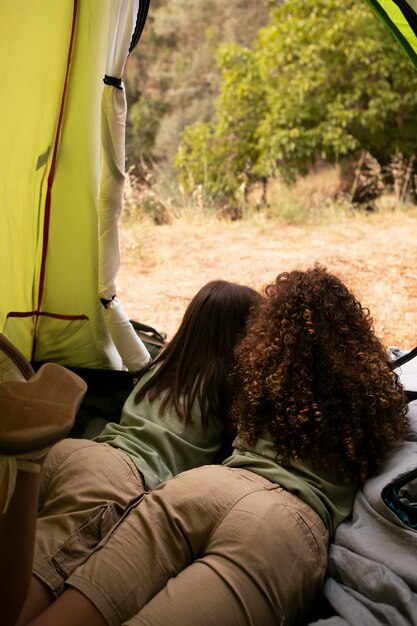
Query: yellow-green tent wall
pixel 400 16
pixel 66 325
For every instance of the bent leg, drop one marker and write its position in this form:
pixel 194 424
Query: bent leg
pixel 70 609
pixel 38 599
pixel 263 564
pixel 161 537
pixel 85 489
pixel 263 550
pixel 198 595
pixel 153 542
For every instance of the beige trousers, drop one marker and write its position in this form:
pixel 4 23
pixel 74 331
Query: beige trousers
pixel 215 546
pixel 85 489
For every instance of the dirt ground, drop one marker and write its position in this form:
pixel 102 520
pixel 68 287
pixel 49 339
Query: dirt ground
pixel 162 267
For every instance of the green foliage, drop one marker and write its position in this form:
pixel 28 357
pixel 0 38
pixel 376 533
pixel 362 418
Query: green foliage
pixel 172 79
pixel 323 80
pixel 336 82
pixel 220 156
pixel 145 116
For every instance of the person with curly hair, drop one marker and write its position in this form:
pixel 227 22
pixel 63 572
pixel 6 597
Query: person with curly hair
pixel 317 407
pixel 314 375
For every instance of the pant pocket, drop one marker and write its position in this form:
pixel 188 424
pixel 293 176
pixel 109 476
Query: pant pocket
pixel 84 541
pixel 308 526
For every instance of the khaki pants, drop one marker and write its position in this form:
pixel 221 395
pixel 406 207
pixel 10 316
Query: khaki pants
pixel 85 489
pixel 215 546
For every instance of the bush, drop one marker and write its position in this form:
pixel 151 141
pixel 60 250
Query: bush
pixel 323 81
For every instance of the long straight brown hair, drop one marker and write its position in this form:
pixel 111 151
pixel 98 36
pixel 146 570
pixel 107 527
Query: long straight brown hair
pixel 194 365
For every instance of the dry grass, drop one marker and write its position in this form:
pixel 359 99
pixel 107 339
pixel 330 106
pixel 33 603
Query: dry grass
pixel 163 266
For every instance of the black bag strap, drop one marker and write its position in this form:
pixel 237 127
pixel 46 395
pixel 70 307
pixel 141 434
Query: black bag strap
pixel 404 358
pixel 148 334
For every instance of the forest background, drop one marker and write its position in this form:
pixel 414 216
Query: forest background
pixel 277 126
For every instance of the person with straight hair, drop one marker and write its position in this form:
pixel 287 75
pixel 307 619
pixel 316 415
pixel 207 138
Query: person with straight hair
pixel 173 420
pixel 317 407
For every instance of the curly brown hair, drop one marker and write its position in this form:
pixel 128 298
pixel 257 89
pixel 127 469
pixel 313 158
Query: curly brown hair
pixel 312 372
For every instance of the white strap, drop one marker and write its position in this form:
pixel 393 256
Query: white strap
pixel 130 347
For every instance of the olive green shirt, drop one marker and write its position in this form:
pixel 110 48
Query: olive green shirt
pixel 162 446
pixel 323 490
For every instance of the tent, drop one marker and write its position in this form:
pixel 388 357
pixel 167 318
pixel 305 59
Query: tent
pixel 400 16
pixel 62 172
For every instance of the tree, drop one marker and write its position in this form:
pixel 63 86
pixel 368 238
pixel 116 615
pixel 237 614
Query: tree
pixel 172 79
pixel 222 155
pixel 322 81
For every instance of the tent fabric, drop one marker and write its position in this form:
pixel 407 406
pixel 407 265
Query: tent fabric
pixel 400 16
pixel 140 23
pixel 53 60
pixel 113 131
pixel 130 347
pixel 113 123
pixel 62 168
pixel 25 155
